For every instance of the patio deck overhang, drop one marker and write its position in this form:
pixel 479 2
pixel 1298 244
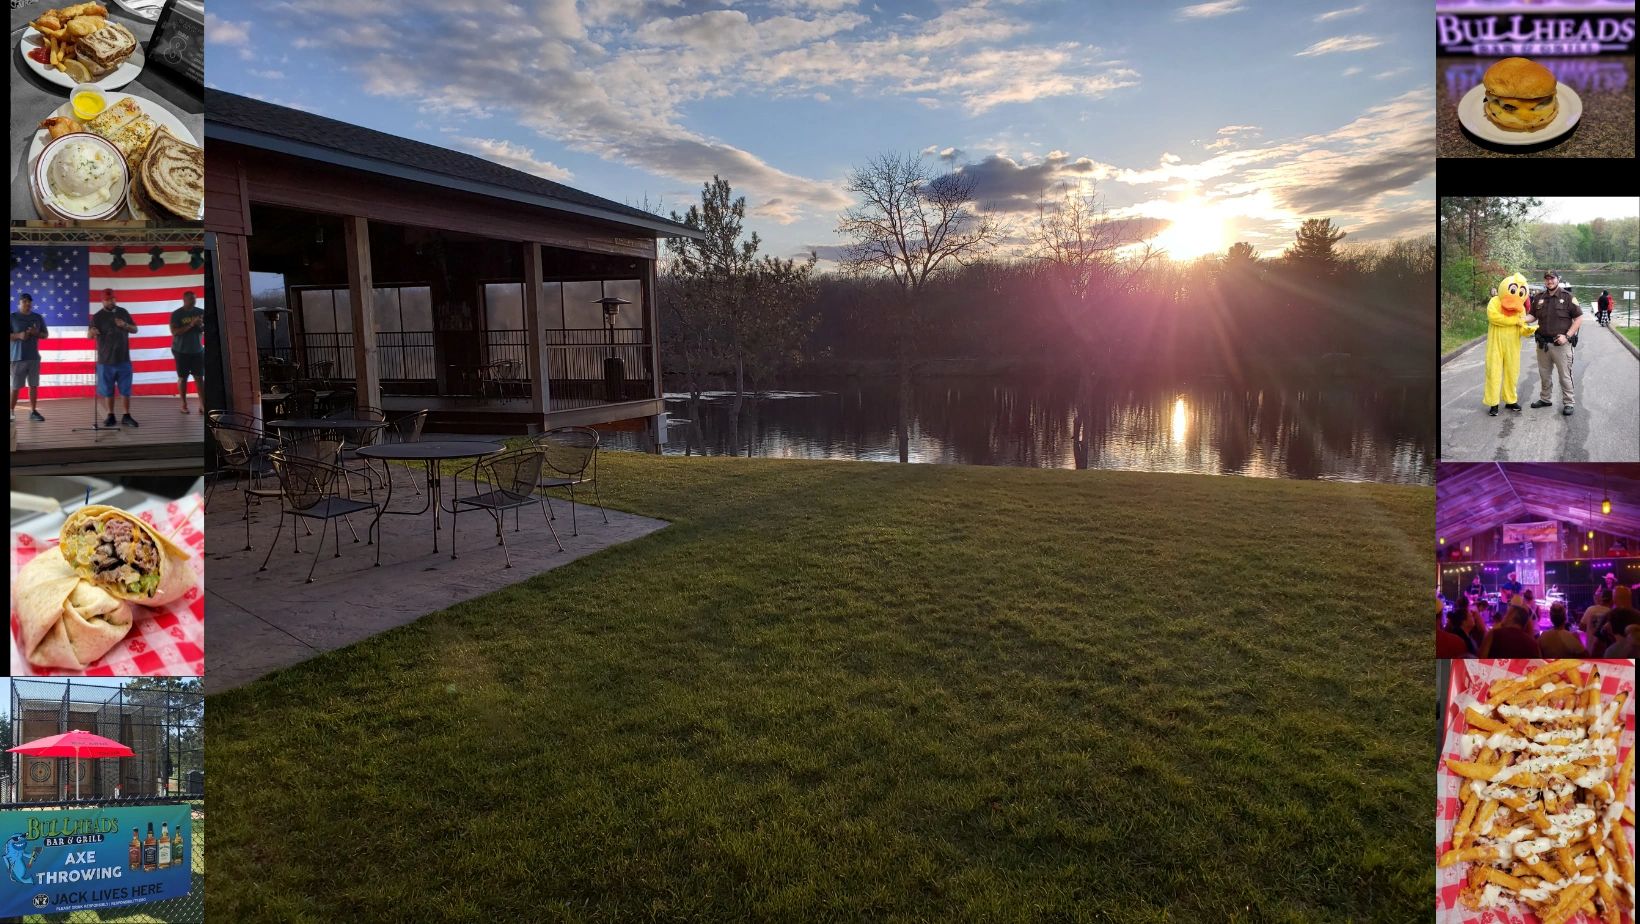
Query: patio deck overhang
pixel 276 174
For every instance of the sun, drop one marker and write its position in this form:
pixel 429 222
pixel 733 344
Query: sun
pixel 1196 228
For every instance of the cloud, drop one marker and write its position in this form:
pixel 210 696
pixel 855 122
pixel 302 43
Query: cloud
pixel 1392 72
pixel 1351 71
pixel 614 78
pixel 266 74
pixel 1331 15
pixel 1340 43
pixel 1209 10
pixel 511 155
pixel 227 32
pixel 1002 184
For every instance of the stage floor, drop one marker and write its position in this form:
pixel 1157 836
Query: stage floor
pixel 167 440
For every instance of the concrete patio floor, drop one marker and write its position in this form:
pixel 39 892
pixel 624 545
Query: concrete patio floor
pixel 260 622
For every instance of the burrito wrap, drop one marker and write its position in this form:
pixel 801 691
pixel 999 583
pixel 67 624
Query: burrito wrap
pixel 66 621
pixel 124 556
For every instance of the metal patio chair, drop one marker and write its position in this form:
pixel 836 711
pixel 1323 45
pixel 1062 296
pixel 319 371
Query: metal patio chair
pixel 308 445
pixel 572 459
pixel 341 403
pixel 300 403
pixel 354 440
pixel 495 377
pixel 241 448
pixel 311 489
pixel 320 369
pixel 501 483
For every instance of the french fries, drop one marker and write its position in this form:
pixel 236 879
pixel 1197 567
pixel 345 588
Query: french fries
pixel 1545 799
pixel 62 28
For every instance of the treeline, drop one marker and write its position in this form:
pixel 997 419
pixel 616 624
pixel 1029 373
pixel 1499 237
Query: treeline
pixel 929 276
pixel 1221 315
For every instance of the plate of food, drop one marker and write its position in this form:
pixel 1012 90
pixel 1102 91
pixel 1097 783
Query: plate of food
pixel 106 590
pixel 1519 102
pixel 1535 819
pixel 164 167
pixel 142 9
pixel 79 44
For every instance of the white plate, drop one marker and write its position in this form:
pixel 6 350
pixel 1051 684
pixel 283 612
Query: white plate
pixel 111 209
pixel 142 9
pixel 113 80
pixel 155 111
pixel 1472 113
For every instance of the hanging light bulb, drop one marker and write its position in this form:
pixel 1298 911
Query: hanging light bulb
pixel 1443 540
pixel 1606 506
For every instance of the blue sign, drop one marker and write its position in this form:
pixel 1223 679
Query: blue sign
pixel 102 857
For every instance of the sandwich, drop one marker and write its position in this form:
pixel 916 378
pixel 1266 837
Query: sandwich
pixel 105 49
pixel 123 556
pixel 172 176
pixel 65 621
pixel 1520 95
pixel 127 126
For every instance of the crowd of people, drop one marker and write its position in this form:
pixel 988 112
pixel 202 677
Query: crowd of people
pixel 1473 627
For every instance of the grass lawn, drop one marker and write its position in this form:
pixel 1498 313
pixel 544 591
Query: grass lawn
pixel 1460 327
pixel 1633 333
pixel 843 691
pixel 189 910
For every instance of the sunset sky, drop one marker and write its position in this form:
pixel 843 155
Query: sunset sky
pixel 1232 119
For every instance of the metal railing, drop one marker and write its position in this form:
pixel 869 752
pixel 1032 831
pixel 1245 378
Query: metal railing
pixel 407 361
pixel 576 365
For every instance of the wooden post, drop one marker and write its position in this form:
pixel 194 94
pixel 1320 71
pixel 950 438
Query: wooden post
pixel 652 320
pixel 535 343
pixel 362 293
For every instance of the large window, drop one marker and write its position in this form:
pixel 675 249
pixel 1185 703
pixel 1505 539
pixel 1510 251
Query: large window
pixel 574 305
pixel 504 306
pixel 404 332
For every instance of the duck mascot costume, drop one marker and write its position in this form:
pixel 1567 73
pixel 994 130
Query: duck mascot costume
pixel 1507 325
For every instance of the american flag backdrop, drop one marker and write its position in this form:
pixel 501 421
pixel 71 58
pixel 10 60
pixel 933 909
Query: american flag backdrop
pixel 67 282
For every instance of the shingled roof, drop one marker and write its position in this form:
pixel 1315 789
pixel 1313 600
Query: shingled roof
pixel 252 122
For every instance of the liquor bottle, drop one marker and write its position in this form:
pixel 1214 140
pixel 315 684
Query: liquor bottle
pixel 164 844
pixel 176 845
pixel 150 851
pixel 136 849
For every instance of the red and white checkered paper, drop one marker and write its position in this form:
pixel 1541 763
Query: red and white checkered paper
pixel 166 641
pixel 1471 681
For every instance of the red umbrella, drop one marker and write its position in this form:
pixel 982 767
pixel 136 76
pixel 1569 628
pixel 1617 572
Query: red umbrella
pixel 75 744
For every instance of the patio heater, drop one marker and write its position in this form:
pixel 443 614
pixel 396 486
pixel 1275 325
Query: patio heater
pixel 272 313
pixel 614 368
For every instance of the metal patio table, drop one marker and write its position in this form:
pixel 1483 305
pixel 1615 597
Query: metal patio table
pixel 430 454
pixel 350 424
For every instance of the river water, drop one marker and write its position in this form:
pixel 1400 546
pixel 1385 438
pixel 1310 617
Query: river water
pixel 1341 431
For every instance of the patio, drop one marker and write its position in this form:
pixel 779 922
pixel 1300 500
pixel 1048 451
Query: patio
pixel 264 621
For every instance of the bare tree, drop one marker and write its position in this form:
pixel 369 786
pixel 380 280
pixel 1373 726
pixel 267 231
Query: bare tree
pixel 1076 239
pixel 912 223
pixel 1083 251
pixel 909 225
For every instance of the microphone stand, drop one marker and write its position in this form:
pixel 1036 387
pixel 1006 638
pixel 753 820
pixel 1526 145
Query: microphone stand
pixel 96 425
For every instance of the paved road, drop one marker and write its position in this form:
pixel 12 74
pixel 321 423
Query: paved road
pixel 1606 427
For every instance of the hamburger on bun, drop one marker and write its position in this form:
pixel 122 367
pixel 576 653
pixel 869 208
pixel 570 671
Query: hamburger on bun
pixel 1520 95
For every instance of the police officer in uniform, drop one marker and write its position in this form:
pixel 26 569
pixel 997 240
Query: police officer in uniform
pixel 1558 318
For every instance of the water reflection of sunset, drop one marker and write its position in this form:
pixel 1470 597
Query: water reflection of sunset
pixel 1337 433
pixel 1181 419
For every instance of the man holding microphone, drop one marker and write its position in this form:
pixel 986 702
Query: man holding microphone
pixel 27 330
pixel 1558 317
pixel 112 328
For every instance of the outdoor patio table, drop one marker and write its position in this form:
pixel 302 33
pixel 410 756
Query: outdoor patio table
pixel 326 423
pixel 429 454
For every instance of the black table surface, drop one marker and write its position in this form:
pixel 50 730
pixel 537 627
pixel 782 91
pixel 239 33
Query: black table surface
pixel 436 449
pixel 326 423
